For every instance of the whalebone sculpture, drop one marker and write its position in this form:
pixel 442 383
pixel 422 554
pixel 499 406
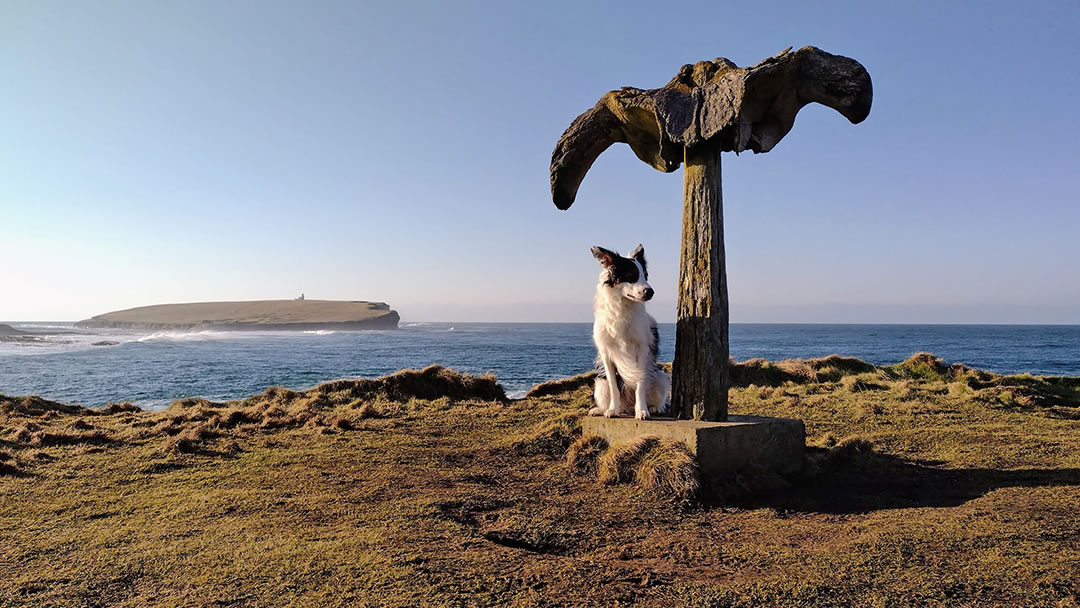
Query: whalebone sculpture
pixel 708 108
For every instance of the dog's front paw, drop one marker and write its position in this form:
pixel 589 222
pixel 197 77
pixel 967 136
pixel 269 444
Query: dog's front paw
pixel 611 413
pixel 642 414
pixel 597 411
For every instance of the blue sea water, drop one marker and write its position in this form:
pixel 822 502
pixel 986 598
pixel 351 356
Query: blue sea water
pixel 152 369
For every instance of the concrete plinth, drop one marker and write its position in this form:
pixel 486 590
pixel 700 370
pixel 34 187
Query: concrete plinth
pixel 778 444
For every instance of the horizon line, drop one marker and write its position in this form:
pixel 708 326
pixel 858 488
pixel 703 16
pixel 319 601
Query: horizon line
pixel 941 323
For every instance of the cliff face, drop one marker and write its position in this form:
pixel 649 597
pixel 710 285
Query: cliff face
pixel 293 315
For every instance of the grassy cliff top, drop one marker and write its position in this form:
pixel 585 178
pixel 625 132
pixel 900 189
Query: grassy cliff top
pixel 248 313
pixel 926 484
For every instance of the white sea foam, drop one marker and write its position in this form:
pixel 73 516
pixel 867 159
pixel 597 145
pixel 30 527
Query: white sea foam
pixel 186 336
pixel 31 326
pixel 320 332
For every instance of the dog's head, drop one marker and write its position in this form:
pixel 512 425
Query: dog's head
pixel 628 276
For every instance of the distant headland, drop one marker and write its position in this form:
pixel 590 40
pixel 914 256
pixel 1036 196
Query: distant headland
pixel 290 315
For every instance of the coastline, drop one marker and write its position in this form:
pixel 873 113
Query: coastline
pixel 389 321
pixel 253 315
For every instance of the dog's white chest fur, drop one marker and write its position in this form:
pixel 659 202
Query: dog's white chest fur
pixel 622 331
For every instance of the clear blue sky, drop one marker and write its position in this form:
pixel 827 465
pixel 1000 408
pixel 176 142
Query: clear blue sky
pixel 156 152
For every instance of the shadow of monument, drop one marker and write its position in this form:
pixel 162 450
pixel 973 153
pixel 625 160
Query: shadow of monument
pixel 869 481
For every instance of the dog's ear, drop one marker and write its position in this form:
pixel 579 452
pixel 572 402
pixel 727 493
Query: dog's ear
pixel 639 254
pixel 604 256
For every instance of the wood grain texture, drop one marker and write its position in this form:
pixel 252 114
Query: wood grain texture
pixel 700 376
pixel 750 108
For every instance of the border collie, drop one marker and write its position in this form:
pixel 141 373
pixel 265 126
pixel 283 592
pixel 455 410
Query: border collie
pixel 626 339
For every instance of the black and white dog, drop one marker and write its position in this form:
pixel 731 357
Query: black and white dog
pixel 627 342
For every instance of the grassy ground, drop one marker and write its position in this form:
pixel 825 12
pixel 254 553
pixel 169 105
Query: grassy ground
pixel 929 485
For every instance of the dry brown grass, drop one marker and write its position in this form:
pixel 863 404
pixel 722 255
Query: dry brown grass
pixel 951 487
pixel 42 438
pixel 832 368
pixel 551 437
pixel 618 465
pixel 121 408
pixel 583 455
pixel 32 405
pixel 431 382
pixel 190 425
pixel 8 466
pixel 561 386
pixel 669 471
pixel 663 468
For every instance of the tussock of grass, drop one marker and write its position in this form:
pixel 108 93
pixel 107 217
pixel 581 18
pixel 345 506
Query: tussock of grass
pixel 80 425
pixel 552 437
pixel 43 439
pixel 32 405
pixel 368 409
pixel 583 455
pixel 832 368
pixel 180 444
pixel 758 372
pixel 669 471
pixel 661 467
pixel 617 465
pixel 25 431
pixel 1054 397
pixel 121 408
pixel 862 382
pixel 563 385
pixel 919 378
pixel 924 366
pixel 431 382
pixel 188 424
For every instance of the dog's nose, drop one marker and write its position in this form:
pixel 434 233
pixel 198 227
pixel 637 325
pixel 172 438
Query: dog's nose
pixel 649 293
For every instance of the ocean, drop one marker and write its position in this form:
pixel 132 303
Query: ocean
pixel 152 369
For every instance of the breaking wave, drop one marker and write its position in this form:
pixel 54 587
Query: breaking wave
pixel 185 336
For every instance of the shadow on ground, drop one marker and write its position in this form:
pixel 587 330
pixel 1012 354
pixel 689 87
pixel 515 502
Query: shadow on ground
pixel 868 481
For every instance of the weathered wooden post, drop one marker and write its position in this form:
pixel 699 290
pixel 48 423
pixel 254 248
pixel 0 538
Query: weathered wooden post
pixel 708 108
